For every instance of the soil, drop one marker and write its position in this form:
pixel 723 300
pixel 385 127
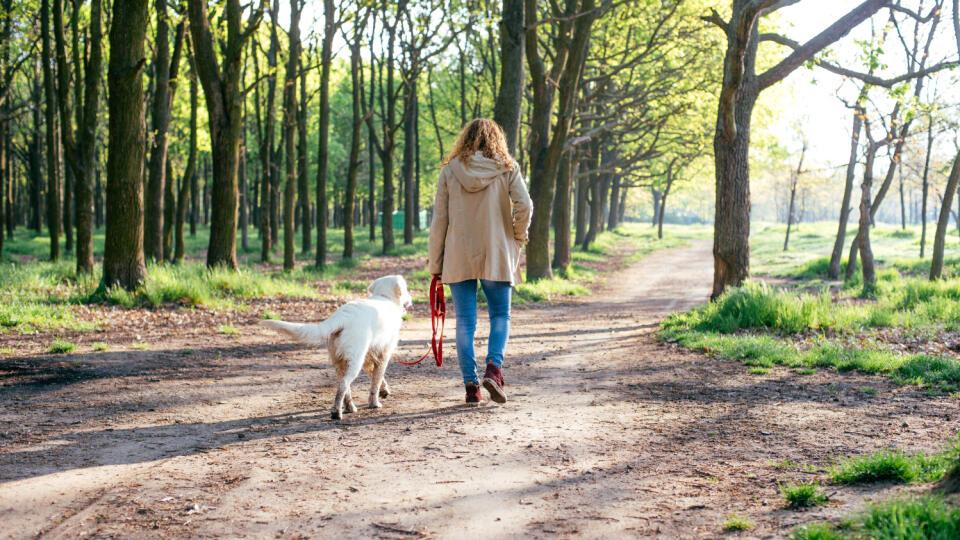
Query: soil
pixel 607 433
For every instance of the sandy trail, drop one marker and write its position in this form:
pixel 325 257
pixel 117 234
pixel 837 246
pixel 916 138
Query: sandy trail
pixel 607 433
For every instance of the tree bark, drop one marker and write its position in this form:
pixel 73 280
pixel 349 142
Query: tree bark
pixel 189 181
pixel 795 180
pixel 940 236
pixel 409 152
pixel 612 217
pixel 303 189
pixel 224 101
pixel 353 165
pixel 925 187
pixel 863 235
pixel 506 110
pixel 153 209
pixel 289 133
pixel 583 184
pixel 53 147
pixel 561 232
pixel 833 270
pixel 323 143
pixel 123 259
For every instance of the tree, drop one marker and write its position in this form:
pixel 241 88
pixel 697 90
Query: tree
pixel 80 148
pixel 189 179
pixel 123 259
pixel 53 147
pixel 356 101
pixel 506 111
pixel 571 42
pixel 289 134
pixel 739 92
pixel 224 99
pixel 323 150
pixel 794 182
pixel 940 236
pixel 165 81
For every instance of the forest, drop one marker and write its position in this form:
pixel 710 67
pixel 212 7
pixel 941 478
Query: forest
pixel 756 203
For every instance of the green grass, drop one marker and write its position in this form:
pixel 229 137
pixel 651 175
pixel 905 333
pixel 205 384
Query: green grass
pixel 736 522
pixel 269 315
pixel 228 329
pixel 60 346
pixel 894 466
pixel 140 346
pixel 101 346
pixel 802 495
pixel 758 371
pixel 909 518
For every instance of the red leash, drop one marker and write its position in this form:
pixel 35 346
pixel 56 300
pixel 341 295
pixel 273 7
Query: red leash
pixel 438 316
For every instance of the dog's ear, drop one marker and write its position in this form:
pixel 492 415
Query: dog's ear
pixel 370 287
pixel 397 290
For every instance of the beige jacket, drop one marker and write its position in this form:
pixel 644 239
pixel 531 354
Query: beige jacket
pixel 480 219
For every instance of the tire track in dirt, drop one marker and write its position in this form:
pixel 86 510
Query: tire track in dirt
pixel 607 433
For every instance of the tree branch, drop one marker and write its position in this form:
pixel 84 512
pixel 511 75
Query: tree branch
pixel 806 51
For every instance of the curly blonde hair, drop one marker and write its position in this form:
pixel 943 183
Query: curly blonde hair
pixel 484 136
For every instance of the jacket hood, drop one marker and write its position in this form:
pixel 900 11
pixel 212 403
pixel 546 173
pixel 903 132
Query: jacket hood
pixel 478 174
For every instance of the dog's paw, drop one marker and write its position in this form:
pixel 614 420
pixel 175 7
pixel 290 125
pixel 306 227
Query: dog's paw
pixel 384 391
pixel 375 404
pixel 351 408
pixel 336 415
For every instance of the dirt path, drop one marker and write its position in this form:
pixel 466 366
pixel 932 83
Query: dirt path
pixel 607 433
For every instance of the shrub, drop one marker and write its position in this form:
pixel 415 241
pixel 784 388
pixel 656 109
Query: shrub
pixel 802 495
pixel 60 346
pixel 737 522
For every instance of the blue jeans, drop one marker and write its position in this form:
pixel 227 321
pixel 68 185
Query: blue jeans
pixel 465 303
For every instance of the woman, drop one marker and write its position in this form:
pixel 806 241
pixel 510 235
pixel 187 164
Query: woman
pixel 480 218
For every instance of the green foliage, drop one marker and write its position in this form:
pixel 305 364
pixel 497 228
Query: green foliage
pixel 896 466
pixel 908 518
pixel 737 522
pixel 60 346
pixel 100 346
pixel 228 329
pixel 802 495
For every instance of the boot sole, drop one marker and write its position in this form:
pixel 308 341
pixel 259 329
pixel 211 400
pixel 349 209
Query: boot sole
pixel 496 393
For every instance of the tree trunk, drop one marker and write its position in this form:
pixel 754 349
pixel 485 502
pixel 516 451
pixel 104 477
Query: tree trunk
pixel 613 219
pixel 925 188
pixel 289 134
pixel 583 184
pixel 221 89
pixel 268 225
pixel 153 208
pixel 731 244
pixel 371 148
pixel 793 197
pixel 834 268
pixel 940 237
pixel 545 150
pixel 657 196
pixel 123 259
pixel 353 164
pixel 323 142
pixel 169 211
pixel 596 212
pixel 189 182
pixel 561 232
pixel 409 153
pixel 53 147
pixel 863 235
pixel 506 110
pixel 303 188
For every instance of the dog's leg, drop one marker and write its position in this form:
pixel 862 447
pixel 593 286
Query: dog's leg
pixel 348 401
pixel 354 364
pixel 377 384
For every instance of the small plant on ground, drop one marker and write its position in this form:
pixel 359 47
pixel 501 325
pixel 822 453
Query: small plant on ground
pixel 759 370
pixel 140 346
pixel 60 346
pixel 891 465
pixel 802 495
pixel 268 315
pixel 101 346
pixel 228 329
pixel 737 522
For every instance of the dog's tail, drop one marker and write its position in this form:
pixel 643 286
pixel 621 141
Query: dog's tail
pixel 305 333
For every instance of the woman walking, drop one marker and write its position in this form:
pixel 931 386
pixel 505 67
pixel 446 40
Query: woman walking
pixel 480 219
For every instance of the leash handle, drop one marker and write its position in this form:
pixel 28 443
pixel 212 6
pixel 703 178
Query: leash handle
pixel 438 318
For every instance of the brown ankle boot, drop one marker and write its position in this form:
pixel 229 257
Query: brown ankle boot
pixel 473 393
pixel 493 382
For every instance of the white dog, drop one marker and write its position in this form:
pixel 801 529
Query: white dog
pixel 360 334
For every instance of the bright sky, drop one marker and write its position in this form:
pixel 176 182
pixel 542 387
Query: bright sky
pixel 825 119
